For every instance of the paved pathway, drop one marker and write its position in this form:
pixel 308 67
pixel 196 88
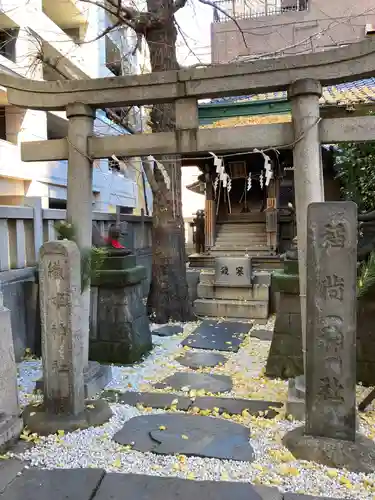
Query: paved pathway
pixel 20 483
pixel 171 434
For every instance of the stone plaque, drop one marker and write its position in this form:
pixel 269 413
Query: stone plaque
pixel 233 271
pixel 331 320
pixel 62 344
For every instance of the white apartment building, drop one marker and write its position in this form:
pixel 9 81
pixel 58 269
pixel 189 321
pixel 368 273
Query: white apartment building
pixel 51 40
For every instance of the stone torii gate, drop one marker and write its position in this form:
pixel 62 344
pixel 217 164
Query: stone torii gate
pixel 80 98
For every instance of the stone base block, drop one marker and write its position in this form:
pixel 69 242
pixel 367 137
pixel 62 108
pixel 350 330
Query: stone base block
pixel 119 277
pixel 43 423
pixel 124 344
pixel 256 292
pixel 96 377
pixel 358 456
pixel 255 309
pixel 10 429
pixel 295 405
pixel 192 278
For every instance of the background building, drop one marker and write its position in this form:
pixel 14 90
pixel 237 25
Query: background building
pixel 58 39
pixel 287 26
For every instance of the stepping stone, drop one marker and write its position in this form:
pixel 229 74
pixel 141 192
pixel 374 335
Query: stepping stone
pixel 218 336
pixel 196 360
pixel 225 405
pixel 151 399
pixel 142 487
pixel 198 381
pixel 168 330
pixel 59 484
pixel 237 406
pixel 170 434
pixel 262 334
pixel 8 472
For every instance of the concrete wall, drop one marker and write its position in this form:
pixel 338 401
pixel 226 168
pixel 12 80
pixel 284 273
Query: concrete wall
pixel 323 25
pixel 22 231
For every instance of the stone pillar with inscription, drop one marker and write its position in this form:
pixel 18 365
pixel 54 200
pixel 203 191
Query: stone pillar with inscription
pixel 64 404
pixel 329 435
pixel 10 421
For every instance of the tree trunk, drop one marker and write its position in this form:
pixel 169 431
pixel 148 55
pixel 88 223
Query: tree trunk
pixel 168 298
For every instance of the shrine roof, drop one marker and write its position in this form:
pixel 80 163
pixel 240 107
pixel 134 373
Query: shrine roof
pixel 343 94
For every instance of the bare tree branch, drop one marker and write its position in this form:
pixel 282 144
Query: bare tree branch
pixel 186 42
pixel 103 33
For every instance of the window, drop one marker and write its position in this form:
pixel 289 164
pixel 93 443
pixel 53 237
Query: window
pixel 294 5
pixel 8 40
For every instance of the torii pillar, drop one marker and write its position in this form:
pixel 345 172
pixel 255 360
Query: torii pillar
pixel 79 204
pixel 79 213
pixel 308 171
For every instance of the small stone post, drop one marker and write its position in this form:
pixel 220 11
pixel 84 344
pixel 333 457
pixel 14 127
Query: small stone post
pixel 62 345
pixel 79 203
pixel 308 170
pixel 10 421
pixel 329 435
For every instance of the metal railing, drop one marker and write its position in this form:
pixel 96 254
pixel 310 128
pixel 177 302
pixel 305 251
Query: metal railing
pixel 242 9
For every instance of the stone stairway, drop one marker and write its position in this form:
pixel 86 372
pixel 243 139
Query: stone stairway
pixel 250 302
pixel 241 238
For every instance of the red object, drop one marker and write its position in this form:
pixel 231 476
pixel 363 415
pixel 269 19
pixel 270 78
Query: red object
pixel 114 243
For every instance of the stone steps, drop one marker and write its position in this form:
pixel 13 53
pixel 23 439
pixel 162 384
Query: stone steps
pixel 255 309
pixel 240 228
pixel 239 251
pixel 250 302
pixel 245 239
pixel 259 262
pixel 257 292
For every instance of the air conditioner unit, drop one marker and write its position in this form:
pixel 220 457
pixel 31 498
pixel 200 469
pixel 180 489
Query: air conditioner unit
pixel 370 29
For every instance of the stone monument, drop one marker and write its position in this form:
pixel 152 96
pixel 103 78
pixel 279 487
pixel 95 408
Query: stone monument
pixel 10 421
pixel 64 406
pixel 329 435
pixel 119 326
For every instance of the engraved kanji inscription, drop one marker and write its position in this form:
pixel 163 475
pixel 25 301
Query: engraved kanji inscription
pixel 334 235
pixel 334 287
pixel 55 271
pixel 331 330
pixel 224 270
pixel 59 329
pixel 331 388
pixel 239 270
pixel 61 300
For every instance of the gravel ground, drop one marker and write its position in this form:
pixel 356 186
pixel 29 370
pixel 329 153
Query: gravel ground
pixel 274 465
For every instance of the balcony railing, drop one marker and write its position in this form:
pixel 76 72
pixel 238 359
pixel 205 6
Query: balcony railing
pixel 240 9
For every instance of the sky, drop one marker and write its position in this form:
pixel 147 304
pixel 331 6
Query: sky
pixel 195 22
